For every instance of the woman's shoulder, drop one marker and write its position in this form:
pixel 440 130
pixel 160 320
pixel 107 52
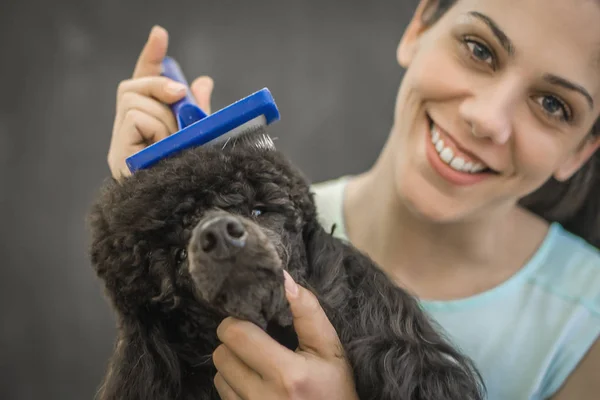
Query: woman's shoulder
pixel 571 269
pixel 567 289
pixel 329 200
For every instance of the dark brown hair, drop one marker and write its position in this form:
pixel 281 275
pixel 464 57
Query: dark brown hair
pixel 575 203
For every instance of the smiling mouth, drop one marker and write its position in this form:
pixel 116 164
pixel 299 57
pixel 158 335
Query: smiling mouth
pixel 453 157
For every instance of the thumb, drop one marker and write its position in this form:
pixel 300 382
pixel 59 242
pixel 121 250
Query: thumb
pixel 202 90
pixel 149 62
pixel 315 332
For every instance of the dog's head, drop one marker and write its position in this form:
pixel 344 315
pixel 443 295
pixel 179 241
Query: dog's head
pixel 209 225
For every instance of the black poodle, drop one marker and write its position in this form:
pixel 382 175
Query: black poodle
pixel 206 234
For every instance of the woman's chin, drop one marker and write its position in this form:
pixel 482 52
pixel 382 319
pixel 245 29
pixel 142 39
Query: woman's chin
pixel 433 213
pixel 427 203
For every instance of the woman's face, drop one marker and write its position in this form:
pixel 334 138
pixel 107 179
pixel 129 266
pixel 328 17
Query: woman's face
pixel 498 96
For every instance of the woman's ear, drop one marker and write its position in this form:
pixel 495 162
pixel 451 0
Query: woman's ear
pixel 577 159
pixel 408 44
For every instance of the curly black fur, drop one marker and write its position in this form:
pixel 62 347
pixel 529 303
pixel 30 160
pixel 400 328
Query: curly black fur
pixel 169 295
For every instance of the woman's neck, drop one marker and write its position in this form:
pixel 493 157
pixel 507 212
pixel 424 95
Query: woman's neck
pixel 427 256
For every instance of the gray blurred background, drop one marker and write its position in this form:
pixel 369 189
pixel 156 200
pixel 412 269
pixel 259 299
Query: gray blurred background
pixel 330 65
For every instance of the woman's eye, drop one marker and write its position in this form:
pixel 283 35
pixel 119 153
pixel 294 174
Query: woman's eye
pixel 480 51
pixel 554 107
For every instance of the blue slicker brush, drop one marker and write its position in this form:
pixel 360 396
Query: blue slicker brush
pixel 248 115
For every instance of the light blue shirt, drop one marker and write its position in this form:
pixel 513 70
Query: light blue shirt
pixel 527 334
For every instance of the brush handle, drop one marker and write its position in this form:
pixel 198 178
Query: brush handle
pixel 185 110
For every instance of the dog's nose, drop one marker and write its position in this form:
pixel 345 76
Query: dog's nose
pixel 222 236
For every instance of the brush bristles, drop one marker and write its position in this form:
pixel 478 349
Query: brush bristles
pixel 254 136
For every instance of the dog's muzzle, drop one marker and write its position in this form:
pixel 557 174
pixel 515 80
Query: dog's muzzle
pixel 222 237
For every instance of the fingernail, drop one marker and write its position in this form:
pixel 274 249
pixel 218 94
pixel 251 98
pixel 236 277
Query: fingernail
pixel 290 286
pixel 176 88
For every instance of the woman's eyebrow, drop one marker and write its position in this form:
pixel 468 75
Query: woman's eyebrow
pixel 557 80
pixel 496 30
pixel 507 44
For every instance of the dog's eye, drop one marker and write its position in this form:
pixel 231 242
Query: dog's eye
pixel 257 211
pixel 181 255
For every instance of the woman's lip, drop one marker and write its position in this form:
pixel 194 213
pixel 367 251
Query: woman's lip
pixel 448 173
pixel 457 145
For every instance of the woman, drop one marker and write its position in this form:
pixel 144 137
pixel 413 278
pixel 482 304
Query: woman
pixel 497 115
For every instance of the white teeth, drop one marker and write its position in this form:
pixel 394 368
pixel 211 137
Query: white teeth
pixel 447 155
pixel 439 146
pixel 457 163
pixel 477 168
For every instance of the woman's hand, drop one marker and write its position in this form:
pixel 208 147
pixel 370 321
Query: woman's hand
pixel 143 116
pixel 251 365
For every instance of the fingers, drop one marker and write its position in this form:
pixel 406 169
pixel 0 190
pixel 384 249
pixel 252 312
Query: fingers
pixel 254 347
pixel 225 391
pixel 160 88
pixel 143 128
pixel 135 101
pixel 315 332
pixel 153 53
pixel 136 130
pixel 239 377
pixel 202 90
pixel 117 159
pixel 141 118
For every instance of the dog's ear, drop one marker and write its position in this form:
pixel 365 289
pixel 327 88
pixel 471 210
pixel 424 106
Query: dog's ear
pixel 124 270
pixel 143 366
pixel 325 256
pixel 319 245
pixel 135 275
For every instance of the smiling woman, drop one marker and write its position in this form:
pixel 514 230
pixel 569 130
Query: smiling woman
pixel 484 202
pixel 491 160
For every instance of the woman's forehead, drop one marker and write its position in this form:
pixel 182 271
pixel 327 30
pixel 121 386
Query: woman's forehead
pixel 578 20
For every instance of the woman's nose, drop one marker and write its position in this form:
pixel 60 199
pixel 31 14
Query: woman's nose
pixel 490 111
